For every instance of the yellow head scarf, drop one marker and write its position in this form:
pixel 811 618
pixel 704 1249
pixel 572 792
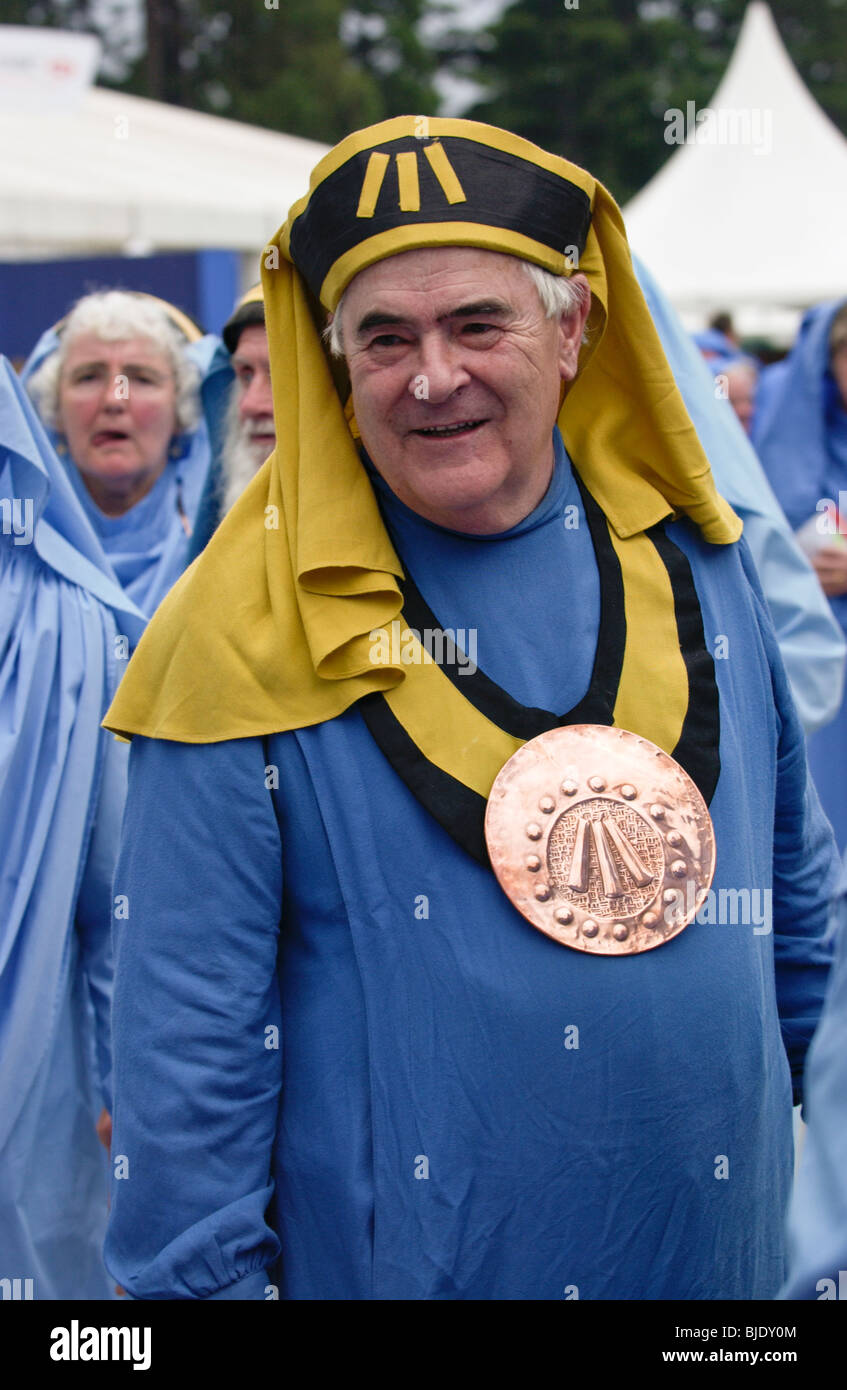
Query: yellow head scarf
pixel 268 629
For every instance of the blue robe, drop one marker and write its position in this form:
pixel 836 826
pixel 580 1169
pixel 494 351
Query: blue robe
pixel 357 1053
pixel 66 628
pixel 714 345
pixel 215 391
pixel 800 434
pixel 811 642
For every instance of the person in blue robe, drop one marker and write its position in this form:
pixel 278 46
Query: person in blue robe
pixel 66 630
pixel 366 1075
pixel 800 435
pixel 148 544
pixel 64 786
pixel 811 642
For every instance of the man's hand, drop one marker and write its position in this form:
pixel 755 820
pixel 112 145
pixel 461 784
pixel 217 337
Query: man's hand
pixel 830 565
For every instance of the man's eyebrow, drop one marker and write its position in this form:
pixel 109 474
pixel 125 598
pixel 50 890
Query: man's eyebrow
pixel 480 307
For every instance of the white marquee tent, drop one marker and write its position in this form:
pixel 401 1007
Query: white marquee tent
pixel 115 173
pixel 749 214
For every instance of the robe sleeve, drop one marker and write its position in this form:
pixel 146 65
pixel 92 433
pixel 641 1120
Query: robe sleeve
pixel 94 903
pixel 805 869
pixel 817 1225
pixel 195 1024
pixel 811 642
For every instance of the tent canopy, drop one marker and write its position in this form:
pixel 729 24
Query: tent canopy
pixel 749 213
pixel 122 174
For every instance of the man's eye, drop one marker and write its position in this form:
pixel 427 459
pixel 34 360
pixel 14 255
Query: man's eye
pixel 478 329
pixel 386 340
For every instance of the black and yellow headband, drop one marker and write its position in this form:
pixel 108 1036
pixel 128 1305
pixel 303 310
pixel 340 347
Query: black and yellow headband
pixel 418 181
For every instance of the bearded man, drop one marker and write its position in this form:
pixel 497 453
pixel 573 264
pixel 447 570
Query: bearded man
pixel 238 406
pixel 249 425
pixel 410 1002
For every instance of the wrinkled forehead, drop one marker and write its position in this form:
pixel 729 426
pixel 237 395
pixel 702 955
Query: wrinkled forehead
pixel 434 279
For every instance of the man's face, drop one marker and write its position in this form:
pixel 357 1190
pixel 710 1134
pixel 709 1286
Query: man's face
pixel 253 386
pixel 456 376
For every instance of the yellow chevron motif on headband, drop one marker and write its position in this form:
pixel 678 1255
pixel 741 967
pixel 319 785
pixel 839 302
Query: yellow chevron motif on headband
pixel 407 179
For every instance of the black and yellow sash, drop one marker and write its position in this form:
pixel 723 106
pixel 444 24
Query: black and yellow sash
pixel 448 736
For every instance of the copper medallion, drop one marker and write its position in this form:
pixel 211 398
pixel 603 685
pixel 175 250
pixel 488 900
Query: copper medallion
pixel 600 839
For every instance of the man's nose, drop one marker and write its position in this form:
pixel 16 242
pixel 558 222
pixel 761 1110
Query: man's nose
pixel 440 369
pixel 257 397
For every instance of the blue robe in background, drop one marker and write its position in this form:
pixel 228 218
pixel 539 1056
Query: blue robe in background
pixel 66 628
pixel 150 545
pixel 811 642
pixel 818 1218
pixel 711 343
pixel 800 434
pixel 355 1050
pixel 215 391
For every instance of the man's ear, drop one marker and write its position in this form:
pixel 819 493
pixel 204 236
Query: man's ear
pixel 571 328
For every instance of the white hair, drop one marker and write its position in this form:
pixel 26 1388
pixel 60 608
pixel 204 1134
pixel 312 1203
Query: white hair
pixel 113 315
pixel 559 296
pixel 240 460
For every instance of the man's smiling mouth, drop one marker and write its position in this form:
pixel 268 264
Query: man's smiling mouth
pixel 444 431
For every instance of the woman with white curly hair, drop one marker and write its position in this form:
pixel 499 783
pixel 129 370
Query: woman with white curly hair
pixel 117 385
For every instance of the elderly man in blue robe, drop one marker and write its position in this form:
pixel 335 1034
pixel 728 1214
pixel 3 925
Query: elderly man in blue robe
pixel 413 1063
pixel 238 403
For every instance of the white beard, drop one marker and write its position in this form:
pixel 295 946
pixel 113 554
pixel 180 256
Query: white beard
pixel 241 458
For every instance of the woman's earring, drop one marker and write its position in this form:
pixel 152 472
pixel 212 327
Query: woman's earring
pixel 175 449
pixel 61 446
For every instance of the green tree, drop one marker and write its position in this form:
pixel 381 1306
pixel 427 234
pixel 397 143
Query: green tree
pixel 384 37
pixel 317 68
pixel 592 79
